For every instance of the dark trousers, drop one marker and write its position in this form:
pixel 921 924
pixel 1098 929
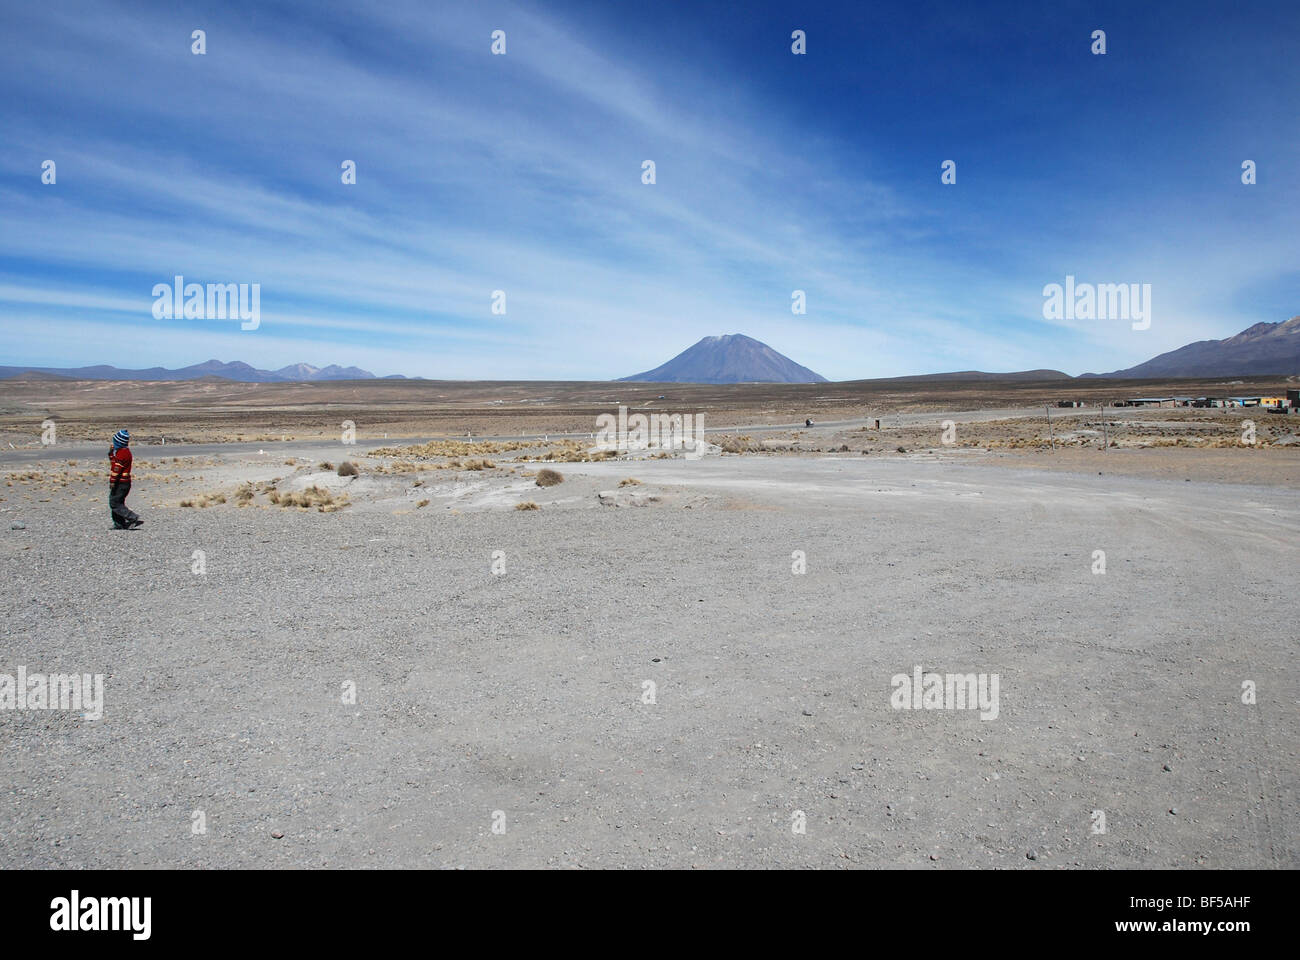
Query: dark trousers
pixel 122 514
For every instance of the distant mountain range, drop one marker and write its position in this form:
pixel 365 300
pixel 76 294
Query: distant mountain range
pixel 294 373
pixel 734 358
pixel 1266 349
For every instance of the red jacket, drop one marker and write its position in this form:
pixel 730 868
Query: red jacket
pixel 119 465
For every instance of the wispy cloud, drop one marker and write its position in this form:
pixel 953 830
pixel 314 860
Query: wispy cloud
pixel 522 173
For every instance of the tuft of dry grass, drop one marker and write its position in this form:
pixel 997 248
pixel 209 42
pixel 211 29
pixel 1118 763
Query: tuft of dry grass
pixel 451 448
pixel 422 503
pixel 325 465
pixel 399 466
pixel 743 444
pixel 348 469
pixel 629 482
pixel 313 496
pixel 527 505
pixel 205 500
pixel 547 477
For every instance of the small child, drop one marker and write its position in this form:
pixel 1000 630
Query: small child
pixel 119 483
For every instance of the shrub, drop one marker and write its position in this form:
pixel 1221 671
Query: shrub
pixel 348 469
pixel 527 505
pixel 548 478
pixel 630 482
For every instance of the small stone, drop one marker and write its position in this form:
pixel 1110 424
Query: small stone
pixel 1167 768
pixel 807 713
pixel 277 834
pixel 17 525
pixel 1173 811
pixel 1032 855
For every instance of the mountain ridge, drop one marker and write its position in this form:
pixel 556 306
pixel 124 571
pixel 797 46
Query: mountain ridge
pixel 1263 349
pixel 236 370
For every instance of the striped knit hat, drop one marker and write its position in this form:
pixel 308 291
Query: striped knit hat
pixel 121 438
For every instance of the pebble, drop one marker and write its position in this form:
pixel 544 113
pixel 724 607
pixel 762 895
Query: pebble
pixel 277 834
pixel 17 525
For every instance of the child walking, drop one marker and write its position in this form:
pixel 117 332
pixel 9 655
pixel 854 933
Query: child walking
pixel 119 482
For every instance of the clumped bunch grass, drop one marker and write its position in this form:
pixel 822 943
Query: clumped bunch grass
pixel 205 500
pixel 313 496
pixel 401 466
pixel 745 444
pixel 451 448
pixel 325 465
pixel 348 469
pixel 527 505
pixel 571 451
pixel 629 482
pixel 548 478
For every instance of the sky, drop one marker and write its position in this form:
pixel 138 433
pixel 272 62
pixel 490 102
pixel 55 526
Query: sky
pixel 522 172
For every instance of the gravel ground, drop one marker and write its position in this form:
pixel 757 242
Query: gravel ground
pixel 521 692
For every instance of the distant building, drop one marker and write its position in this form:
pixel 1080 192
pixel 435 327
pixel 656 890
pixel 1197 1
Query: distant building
pixel 1149 402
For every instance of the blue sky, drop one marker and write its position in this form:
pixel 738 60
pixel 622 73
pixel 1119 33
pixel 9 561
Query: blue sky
pixel 522 173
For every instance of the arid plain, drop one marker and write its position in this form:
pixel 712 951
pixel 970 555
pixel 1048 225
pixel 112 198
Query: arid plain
pixel 662 661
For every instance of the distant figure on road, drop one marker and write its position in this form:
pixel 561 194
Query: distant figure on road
pixel 807 423
pixel 119 482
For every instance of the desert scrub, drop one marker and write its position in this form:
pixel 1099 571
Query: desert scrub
pixel 450 448
pixel 400 466
pixel 205 500
pixel 527 505
pixel 348 469
pixel 548 478
pixel 312 496
pixel 422 503
pixel 629 482
pixel 326 465
pixel 745 444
